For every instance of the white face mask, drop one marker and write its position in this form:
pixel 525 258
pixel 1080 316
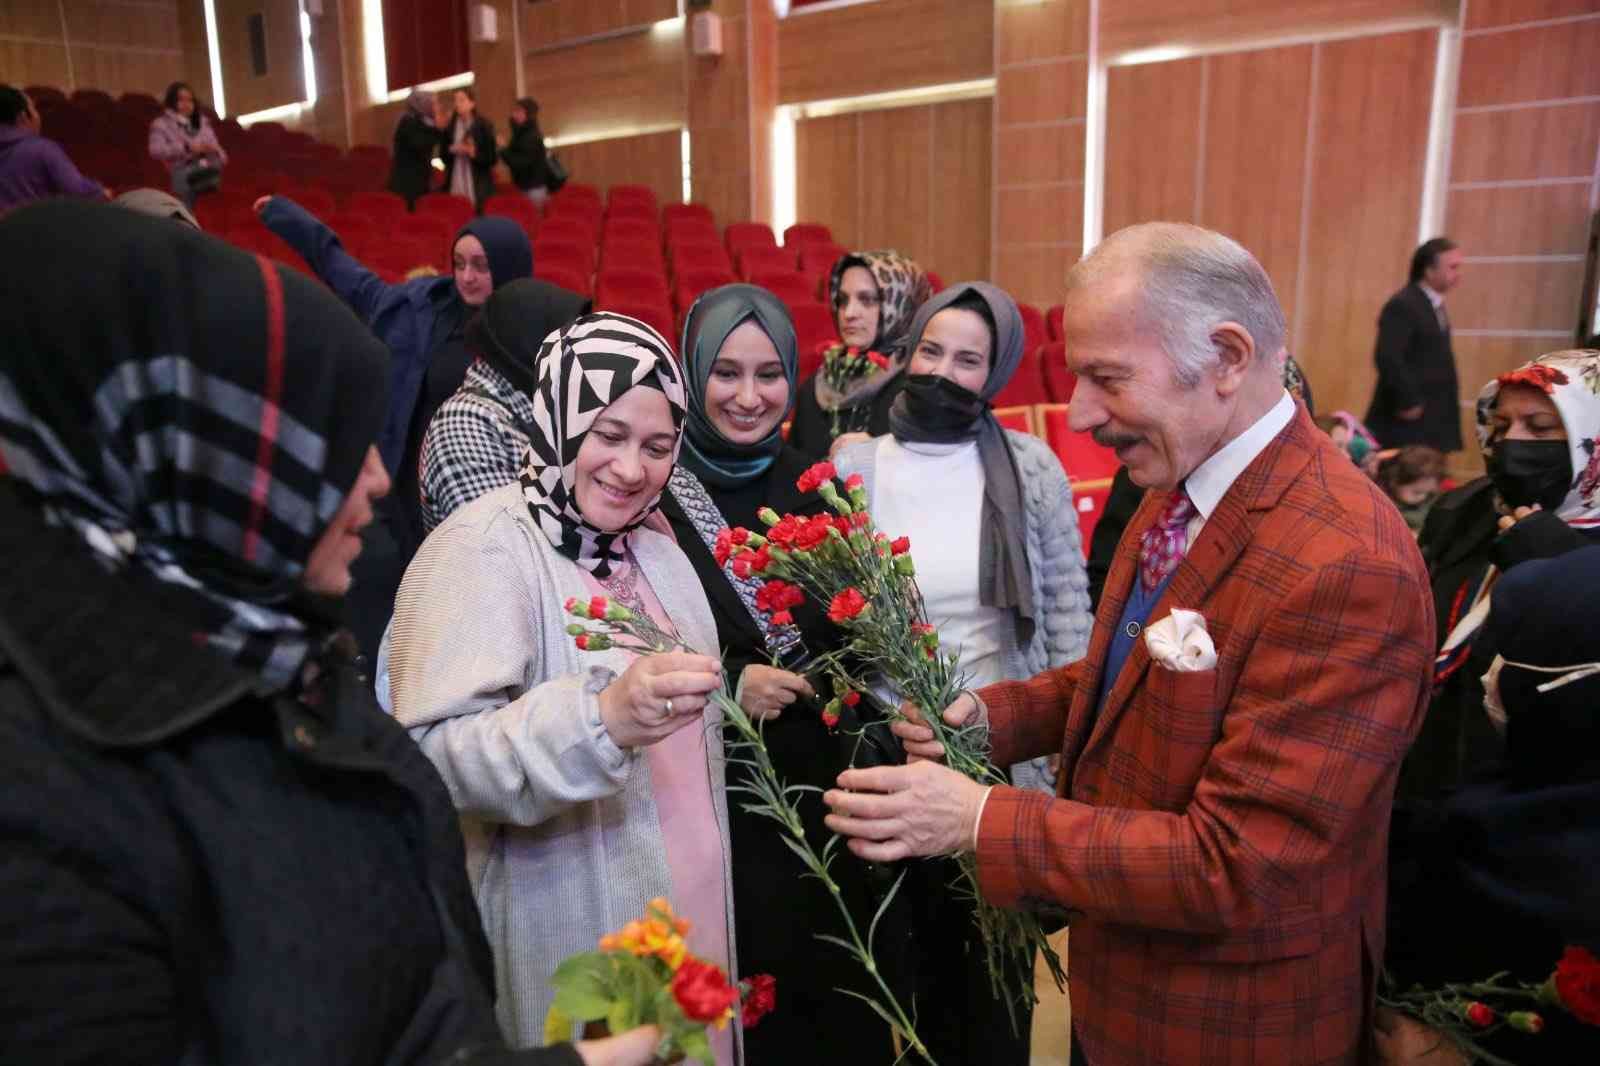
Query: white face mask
pixel 1491 683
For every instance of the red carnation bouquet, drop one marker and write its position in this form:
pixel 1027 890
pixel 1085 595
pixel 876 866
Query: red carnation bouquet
pixel 843 366
pixel 868 581
pixel 644 975
pixel 1466 1013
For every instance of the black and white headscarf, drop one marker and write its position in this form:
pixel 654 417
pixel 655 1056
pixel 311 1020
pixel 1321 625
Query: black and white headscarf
pixel 582 369
pixel 191 411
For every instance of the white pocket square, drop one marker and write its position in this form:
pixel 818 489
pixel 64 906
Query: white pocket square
pixel 1180 642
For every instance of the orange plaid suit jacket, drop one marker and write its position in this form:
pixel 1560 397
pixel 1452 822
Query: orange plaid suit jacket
pixel 1221 836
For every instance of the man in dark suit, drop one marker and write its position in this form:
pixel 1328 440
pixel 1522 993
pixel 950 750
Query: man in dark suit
pixel 1416 399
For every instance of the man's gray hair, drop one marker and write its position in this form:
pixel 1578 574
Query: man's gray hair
pixel 1190 280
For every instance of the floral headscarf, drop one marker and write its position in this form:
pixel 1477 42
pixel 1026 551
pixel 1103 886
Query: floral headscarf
pixel 1572 381
pixel 582 369
pixel 902 288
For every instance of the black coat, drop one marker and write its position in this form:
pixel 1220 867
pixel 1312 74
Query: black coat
pixel 192 872
pixel 525 156
pixel 415 145
pixel 481 132
pixel 778 909
pixel 811 432
pixel 1415 366
pixel 1459 541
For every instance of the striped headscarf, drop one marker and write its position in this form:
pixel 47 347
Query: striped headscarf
pixel 189 410
pixel 582 369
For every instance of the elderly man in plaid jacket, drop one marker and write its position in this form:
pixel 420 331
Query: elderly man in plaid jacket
pixel 1222 814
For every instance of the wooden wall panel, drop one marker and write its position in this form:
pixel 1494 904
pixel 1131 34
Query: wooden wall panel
pixel 550 23
pixel 1524 174
pixel 1253 175
pixel 1131 25
pixel 1512 220
pixel 1519 296
pixel 1031 155
pixel 1154 123
pixel 883 46
pixel 1366 167
pixel 653 159
pixel 915 179
pixel 1040 91
pixel 114 45
pixel 828 163
pixel 1542 62
pixel 632 81
pixel 1560 141
pixel 35 63
pixel 284 82
pixel 957 242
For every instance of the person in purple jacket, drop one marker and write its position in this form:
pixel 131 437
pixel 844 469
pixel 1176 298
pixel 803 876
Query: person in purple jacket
pixel 34 167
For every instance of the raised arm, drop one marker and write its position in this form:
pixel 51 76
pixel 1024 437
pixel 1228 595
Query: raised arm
pixel 319 246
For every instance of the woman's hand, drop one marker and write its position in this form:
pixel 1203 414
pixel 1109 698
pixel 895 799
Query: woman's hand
pixel 1507 521
pixel 764 691
pixel 658 695
pixel 636 1047
pixel 261 203
pixel 844 440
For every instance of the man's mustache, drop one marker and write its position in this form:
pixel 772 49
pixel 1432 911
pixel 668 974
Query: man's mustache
pixel 1108 438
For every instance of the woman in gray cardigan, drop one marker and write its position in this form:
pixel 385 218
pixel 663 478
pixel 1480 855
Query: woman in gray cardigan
pixel 589 782
pixel 994 536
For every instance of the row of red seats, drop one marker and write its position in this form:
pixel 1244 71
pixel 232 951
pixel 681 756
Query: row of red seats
pixel 1090 467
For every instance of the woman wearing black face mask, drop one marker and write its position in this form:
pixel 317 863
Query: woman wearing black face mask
pixel 1539 428
pixel 994 536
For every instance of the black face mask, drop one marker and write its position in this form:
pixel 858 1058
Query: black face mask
pixel 941 410
pixel 1528 472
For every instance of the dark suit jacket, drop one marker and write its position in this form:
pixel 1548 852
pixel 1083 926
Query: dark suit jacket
pixel 1415 366
pixel 1221 835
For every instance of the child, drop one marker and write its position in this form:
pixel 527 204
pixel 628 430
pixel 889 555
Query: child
pixel 1349 434
pixel 1411 479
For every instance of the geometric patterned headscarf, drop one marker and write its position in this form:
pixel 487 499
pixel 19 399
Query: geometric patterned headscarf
pixel 582 369
pixel 189 410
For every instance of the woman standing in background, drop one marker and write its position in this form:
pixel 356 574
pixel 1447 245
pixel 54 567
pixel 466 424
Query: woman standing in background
pixel 181 137
pixel 416 143
pixel 524 153
pixel 469 144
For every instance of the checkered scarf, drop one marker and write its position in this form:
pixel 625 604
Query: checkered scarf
pixel 582 369
pixel 187 409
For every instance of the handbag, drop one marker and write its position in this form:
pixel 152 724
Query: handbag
pixel 204 177
pixel 557 171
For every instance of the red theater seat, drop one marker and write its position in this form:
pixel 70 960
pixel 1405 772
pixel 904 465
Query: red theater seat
pixel 698 212
pixel 813 330
pixel 1026 386
pixel 652 313
pixel 632 255
pixel 1033 326
pixel 376 205
pixel 741 235
pixel 1080 456
pixel 623 285
pixel 454 211
pixel 1059 381
pixel 761 260
pixel 693 282
pixel 573 280
pixel 1052 322
pixel 789 286
pixel 516 207
pixel 802 233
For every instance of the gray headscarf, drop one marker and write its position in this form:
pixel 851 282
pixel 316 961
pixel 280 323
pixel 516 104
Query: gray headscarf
pixel 158 203
pixel 420 104
pixel 935 409
pixel 713 458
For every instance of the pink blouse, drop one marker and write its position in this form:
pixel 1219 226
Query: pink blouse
pixel 680 777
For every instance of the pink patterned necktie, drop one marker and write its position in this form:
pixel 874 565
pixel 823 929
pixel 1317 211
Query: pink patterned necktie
pixel 1163 545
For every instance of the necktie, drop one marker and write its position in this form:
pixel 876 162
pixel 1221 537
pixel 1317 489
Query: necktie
pixel 1163 545
pixel 1444 318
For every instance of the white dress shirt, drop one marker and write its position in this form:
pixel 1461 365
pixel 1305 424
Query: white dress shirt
pixel 1211 480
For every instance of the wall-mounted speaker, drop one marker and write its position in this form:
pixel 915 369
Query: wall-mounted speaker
pixel 483 23
pixel 705 33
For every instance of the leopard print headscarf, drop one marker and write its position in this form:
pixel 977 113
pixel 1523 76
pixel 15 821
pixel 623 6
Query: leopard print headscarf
pixel 902 287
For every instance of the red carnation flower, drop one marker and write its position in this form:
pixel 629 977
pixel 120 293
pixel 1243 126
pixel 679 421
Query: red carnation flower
pixel 572 601
pixel 812 533
pixel 850 699
pixel 782 618
pixel 878 359
pixel 1480 1015
pixel 846 606
pixel 702 991
pixel 769 597
pixel 761 996
pixel 723 547
pixel 1539 376
pixel 841 523
pixel 853 482
pixel 830 718
pixel 760 559
pixel 860 519
pixel 1525 1021
pixel 741 566
pixel 1577 982
pixel 813 478
pixel 900 545
pixel 739 535
pixel 582 641
pixel 784 532
pixel 597 607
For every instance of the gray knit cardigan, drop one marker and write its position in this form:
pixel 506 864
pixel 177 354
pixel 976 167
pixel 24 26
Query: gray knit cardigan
pixel 1055 556
pixel 564 840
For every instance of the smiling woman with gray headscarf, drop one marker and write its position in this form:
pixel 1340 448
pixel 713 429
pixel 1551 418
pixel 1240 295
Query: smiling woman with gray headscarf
pixel 740 368
pixel 416 141
pixel 994 535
